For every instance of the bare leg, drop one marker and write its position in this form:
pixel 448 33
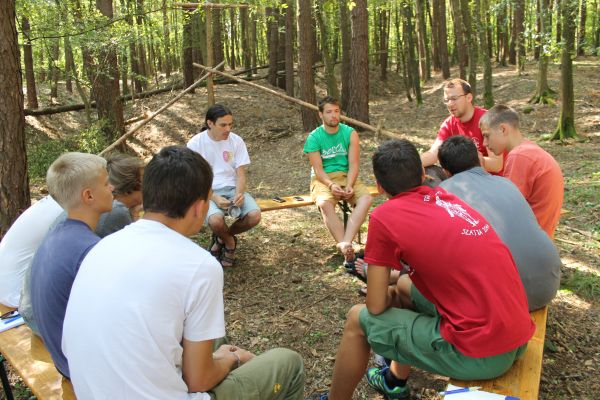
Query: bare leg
pixel 400 371
pixel 403 287
pixel 351 359
pixel 358 216
pixel 242 225
pixel 332 221
pixel 216 222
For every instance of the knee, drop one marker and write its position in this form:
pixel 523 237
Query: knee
pixel 216 222
pixel 326 207
pixel 365 200
pixel 254 217
pixel 404 284
pixel 353 318
pixel 288 360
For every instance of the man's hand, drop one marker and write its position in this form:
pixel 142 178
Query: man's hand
pixel 349 192
pixel 244 355
pixel 221 201
pixel 338 191
pixel 238 199
pixel 225 352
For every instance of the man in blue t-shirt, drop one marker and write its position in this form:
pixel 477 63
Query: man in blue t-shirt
pixel 79 183
pixel 333 150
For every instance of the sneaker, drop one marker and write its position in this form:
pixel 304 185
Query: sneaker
pixel 376 379
pixel 318 396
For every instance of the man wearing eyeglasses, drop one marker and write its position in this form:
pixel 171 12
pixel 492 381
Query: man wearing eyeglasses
pixel 463 120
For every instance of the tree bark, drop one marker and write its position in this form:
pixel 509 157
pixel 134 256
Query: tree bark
pixel 32 100
pixel 332 89
pixel 424 60
pixel 217 37
pixel 358 106
pixel 140 48
pixel 566 121
pixel 480 15
pixel 289 48
pixel 188 56
pixel 106 83
pixel 461 50
pixel 281 47
pixel 232 39
pixel 54 71
pixel 384 35
pixel 307 93
pixel 14 181
pixel 246 41
pixel 472 45
pixel 273 44
pixel 518 33
pixel 168 65
pixel 412 66
pixel 581 35
pixel 346 45
pixel 442 36
pixel 543 93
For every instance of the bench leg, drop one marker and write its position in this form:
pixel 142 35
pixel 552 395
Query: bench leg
pixel 4 378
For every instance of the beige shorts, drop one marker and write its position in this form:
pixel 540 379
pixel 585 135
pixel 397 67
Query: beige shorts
pixel 320 192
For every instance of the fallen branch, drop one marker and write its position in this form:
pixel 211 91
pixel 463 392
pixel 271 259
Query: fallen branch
pixel 352 121
pixel 154 114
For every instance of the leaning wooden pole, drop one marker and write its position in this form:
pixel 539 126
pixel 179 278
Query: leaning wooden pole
pixel 154 114
pixel 352 121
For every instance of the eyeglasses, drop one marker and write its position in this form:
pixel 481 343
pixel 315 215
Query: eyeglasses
pixel 452 99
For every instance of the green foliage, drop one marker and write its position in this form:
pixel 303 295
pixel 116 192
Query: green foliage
pixel 584 284
pixel 41 153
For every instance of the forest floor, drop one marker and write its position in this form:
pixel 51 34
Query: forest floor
pixel 288 287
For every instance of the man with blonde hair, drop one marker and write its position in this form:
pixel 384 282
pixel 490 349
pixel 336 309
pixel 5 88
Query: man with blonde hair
pixel 79 183
pixel 463 120
pixel 533 170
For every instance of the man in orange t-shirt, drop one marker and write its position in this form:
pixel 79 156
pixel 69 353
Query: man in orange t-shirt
pixel 535 172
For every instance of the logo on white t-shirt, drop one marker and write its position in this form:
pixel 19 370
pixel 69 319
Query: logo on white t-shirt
pixel 228 156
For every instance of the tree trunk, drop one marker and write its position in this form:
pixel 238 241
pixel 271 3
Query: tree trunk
pixel 217 37
pixel 538 27
pixel 461 49
pixel 106 83
pixel 140 48
pixel 233 38
pixel 245 41
pixel 14 181
pixel 289 48
pixel 481 17
pixel 166 40
pixel 281 48
pixel 307 93
pixel 472 45
pixel 518 34
pixel 412 66
pixel 68 64
pixel 332 89
pixel 54 71
pixel 358 106
pixel 346 45
pixel 424 60
pixel 558 11
pixel 384 43
pixel 273 45
pixel 543 93
pixel 253 44
pixel 581 35
pixel 566 121
pixel 435 42
pixel 188 55
pixel 32 100
pixel 441 32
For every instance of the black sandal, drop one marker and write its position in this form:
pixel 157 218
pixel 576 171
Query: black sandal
pixel 215 241
pixel 227 255
pixel 350 267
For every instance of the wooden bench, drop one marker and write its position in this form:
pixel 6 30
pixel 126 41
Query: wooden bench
pixel 28 356
pixel 523 379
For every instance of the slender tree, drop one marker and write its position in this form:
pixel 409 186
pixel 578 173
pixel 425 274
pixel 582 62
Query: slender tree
pixel 358 106
pixel 566 121
pixel 332 89
pixel 14 181
pixel 440 35
pixel 307 93
pixel 424 58
pixel 32 100
pixel 480 15
pixel 581 32
pixel 412 65
pixel 543 93
pixel 346 34
pixel 289 47
pixel 460 47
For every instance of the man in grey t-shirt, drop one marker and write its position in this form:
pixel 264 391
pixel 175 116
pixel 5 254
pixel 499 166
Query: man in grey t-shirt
pixel 503 205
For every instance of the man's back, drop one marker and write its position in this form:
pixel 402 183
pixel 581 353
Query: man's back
pixel 458 263
pixel 19 245
pixel 53 270
pixel 539 178
pixel 505 208
pixel 138 294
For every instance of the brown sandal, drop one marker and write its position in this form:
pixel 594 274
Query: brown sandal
pixel 228 255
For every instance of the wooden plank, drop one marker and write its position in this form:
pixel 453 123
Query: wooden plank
pixel 523 379
pixel 27 354
pixel 291 202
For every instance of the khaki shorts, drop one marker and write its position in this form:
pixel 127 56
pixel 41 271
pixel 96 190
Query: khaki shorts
pixel 413 338
pixel 320 192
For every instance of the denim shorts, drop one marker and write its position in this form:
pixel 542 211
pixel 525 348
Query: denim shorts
pixel 229 193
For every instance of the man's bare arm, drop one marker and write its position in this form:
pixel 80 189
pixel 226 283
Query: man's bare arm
pixel 430 157
pixel 378 298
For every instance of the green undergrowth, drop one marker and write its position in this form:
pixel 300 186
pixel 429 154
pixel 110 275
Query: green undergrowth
pixel 41 152
pixel 584 284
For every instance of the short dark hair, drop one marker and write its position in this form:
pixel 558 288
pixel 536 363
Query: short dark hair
pixel 499 114
pixel 327 100
pixel 214 113
pixel 124 173
pixel 456 82
pixel 174 179
pixel 397 166
pixel 458 154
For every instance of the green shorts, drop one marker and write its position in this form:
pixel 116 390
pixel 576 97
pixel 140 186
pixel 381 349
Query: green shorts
pixel 413 338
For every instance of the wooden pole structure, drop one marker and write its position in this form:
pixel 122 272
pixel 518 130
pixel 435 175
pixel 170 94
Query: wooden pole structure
pixel 137 127
pixel 210 89
pixel 352 121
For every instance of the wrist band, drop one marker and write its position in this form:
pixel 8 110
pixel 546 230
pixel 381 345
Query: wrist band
pixel 330 185
pixel 237 359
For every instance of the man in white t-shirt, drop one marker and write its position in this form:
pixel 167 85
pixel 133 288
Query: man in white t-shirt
pixel 143 324
pixel 20 244
pixel 227 154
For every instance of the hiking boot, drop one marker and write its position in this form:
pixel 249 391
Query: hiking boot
pixel 376 379
pixel 318 396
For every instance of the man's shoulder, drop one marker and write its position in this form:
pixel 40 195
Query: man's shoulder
pixel 196 140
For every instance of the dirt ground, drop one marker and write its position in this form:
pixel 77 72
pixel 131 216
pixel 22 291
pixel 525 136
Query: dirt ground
pixel 288 288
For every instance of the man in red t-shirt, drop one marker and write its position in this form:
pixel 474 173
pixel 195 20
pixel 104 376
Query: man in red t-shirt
pixel 533 170
pixel 467 317
pixel 463 120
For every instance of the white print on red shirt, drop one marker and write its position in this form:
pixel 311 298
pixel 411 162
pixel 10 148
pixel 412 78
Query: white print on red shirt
pixel 453 209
